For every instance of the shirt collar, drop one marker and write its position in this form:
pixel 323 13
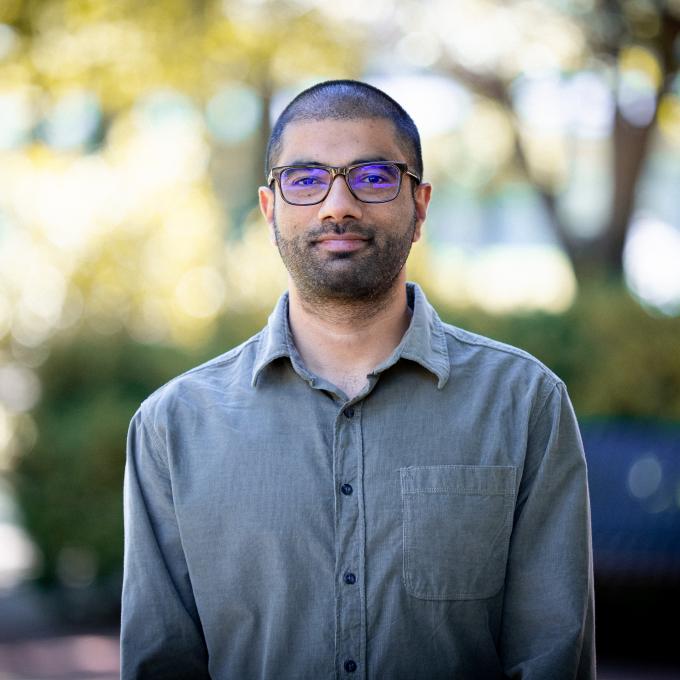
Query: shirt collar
pixel 424 341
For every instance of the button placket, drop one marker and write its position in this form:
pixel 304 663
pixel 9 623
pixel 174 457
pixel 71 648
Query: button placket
pixel 350 618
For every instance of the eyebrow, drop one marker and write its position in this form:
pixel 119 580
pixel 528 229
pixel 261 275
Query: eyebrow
pixel 371 159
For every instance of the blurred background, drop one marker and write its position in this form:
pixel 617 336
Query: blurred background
pixel 131 145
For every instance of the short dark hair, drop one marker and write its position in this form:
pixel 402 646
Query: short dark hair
pixel 347 100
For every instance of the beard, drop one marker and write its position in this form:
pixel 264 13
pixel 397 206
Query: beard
pixel 346 277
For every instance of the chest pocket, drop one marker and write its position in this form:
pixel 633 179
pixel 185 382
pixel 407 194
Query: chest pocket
pixel 457 524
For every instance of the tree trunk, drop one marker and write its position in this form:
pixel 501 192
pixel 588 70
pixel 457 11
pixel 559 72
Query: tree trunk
pixel 631 148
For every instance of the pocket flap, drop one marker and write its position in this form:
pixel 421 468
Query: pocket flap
pixel 492 480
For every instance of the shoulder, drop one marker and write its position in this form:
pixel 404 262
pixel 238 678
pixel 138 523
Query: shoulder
pixel 486 349
pixel 504 375
pixel 202 386
pixel 489 361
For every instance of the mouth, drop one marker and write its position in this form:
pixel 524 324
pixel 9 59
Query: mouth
pixel 341 243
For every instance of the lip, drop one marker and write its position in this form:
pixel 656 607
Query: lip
pixel 341 237
pixel 341 242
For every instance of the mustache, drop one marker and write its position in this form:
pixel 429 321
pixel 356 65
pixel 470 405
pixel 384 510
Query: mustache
pixel 340 228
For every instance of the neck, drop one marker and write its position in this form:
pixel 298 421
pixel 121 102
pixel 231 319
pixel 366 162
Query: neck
pixel 343 341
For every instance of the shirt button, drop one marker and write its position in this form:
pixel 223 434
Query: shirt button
pixel 349 412
pixel 350 578
pixel 346 489
pixel 350 665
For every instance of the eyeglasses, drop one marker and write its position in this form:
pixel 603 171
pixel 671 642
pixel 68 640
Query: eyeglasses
pixel 376 182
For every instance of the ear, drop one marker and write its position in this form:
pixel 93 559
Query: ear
pixel 266 197
pixel 421 197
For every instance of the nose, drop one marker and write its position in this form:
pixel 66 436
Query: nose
pixel 339 204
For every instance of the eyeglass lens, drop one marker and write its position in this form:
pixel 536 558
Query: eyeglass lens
pixel 372 183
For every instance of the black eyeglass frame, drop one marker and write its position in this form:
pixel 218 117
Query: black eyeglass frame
pixel 275 176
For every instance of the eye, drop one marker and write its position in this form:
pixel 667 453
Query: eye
pixel 298 178
pixel 373 179
pixel 375 176
pixel 309 180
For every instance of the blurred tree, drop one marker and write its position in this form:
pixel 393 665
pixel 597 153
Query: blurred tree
pixel 631 37
pixel 131 220
pixel 614 27
pixel 68 484
pixel 124 50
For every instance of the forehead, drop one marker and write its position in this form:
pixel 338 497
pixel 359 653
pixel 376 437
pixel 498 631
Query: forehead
pixel 340 142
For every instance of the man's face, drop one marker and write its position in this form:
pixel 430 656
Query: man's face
pixel 342 248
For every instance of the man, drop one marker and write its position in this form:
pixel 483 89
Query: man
pixel 358 491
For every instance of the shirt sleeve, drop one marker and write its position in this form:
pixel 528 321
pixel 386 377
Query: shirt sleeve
pixel 548 628
pixel 161 635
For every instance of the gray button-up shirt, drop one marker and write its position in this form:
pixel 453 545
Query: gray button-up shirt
pixel 435 526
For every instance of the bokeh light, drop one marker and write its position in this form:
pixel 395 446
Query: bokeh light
pixel 233 113
pixel 651 259
pixel 640 76
pixel 644 477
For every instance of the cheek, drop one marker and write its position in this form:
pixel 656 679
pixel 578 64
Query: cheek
pixel 292 220
pixel 401 213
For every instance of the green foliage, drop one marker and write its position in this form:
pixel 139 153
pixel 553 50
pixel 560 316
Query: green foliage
pixel 122 50
pixel 616 359
pixel 69 483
